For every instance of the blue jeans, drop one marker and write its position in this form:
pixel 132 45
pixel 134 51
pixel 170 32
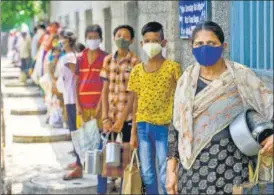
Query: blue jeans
pixel 102 181
pixel 152 142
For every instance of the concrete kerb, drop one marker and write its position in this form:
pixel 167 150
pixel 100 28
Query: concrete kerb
pixel 10 67
pixel 19 84
pixel 40 138
pixel 24 94
pixel 29 112
pixel 8 77
pixel 21 91
pixel 42 186
pixel 9 70
pixel 14 95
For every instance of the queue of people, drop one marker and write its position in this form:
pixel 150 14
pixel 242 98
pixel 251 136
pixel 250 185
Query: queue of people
pixel 143 100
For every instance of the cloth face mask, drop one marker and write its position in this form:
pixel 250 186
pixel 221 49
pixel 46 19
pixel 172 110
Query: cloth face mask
pixel 207 55
pixel 122 43
pixel 152 49
pixel 93 44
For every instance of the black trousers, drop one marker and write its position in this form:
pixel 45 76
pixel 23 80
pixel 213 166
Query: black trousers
pixel 25 64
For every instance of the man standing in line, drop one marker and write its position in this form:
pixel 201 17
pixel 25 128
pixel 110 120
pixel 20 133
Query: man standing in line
pixel 153 85
pixel 24 46
pixel 89 83
pixel 116 105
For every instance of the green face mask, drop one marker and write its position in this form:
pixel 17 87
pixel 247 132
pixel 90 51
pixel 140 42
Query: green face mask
pixel 122 43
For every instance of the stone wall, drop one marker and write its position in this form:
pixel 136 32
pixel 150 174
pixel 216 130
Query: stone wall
pixel 110 14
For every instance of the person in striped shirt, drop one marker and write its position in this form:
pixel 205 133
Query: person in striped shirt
pixel 89 83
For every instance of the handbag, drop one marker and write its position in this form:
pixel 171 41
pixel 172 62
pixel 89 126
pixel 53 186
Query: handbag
pixel 254 186
pixel 125 156
pixel 86 138
pixel 132 182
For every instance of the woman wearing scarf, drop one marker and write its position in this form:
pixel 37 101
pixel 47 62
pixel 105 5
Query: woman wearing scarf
pixel 45 43
pixel 53 95
pixel 208 97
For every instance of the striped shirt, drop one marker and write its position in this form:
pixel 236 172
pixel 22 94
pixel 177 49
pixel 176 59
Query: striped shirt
pixel 89 83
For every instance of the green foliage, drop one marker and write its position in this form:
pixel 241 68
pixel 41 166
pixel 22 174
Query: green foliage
pixel 16 12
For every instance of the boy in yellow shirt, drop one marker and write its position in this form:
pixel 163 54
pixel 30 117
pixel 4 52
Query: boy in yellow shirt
pixel 153 85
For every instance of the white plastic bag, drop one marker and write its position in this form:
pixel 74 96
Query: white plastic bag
pixel 86 138
pixel 55 113
pixel 56 119
pixel 35 77
pixel 36 74
pixel 45 82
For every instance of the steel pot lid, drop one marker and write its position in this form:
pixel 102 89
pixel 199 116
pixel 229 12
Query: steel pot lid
pixel 242 136
pixel 259 133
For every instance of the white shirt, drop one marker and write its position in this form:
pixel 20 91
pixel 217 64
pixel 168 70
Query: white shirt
pixel 69 78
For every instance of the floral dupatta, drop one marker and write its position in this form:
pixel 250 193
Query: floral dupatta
pixel 199 118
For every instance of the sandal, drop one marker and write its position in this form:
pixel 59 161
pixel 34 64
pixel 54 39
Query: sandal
pixel 71 166
pixel 75 174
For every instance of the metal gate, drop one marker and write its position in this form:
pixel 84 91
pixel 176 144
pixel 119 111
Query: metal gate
pixel 251 33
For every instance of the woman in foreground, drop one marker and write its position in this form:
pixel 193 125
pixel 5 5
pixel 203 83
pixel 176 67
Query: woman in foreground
pixel 208 97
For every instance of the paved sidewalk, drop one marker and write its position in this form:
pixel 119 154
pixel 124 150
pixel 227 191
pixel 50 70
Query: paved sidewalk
pixel 28 161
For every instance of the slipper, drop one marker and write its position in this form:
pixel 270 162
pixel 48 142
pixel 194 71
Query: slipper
pixel 75 174
pixel 71 166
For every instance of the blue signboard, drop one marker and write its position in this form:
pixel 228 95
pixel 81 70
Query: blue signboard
pixel 191 13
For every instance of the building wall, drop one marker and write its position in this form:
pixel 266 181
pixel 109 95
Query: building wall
pixel 4 44
pixel 110 14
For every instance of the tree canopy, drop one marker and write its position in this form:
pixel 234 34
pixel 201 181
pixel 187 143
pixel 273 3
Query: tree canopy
pixel 13 13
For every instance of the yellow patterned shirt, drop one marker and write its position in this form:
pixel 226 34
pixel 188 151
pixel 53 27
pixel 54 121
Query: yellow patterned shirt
pixel 155 92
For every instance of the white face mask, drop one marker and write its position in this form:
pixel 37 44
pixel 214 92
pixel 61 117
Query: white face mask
pixel 152 49
pixel 93 44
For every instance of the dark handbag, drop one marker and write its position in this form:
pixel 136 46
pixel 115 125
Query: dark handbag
pixel 254 186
